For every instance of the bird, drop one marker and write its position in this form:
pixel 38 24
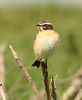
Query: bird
pixel 45 43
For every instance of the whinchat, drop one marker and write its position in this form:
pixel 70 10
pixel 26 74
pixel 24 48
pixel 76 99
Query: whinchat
pixel 45 42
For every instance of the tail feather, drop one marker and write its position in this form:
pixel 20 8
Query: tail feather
pixel 36 63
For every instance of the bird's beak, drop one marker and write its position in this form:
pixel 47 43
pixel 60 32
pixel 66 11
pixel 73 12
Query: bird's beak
pixel 37 25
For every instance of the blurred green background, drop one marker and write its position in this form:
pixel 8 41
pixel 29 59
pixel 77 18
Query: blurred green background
pixel 17 27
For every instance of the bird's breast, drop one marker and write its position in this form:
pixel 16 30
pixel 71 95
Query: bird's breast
pixel 45 44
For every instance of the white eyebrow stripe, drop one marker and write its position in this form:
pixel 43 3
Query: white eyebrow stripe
pixel 45 23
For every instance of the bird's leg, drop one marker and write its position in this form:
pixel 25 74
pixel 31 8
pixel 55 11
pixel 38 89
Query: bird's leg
pixel 44 62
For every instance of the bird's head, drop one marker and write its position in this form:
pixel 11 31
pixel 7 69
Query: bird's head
pixel 44 25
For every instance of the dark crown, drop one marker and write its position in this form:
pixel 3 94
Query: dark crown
pixel 45 25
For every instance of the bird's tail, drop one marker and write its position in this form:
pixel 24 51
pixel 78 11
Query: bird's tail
pixel 36 63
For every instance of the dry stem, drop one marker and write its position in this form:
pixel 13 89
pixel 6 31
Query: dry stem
pixel 45 77
pixel 2 64
pixel 26 73
pixel 70 78
pixel 79 95
pixel 2 94
pixel 73 90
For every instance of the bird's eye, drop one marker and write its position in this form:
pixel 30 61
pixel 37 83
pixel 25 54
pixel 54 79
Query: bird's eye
pixel 48 27
pixel 45 27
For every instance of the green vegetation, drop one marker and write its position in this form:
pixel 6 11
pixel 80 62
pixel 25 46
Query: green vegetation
pixel 17 27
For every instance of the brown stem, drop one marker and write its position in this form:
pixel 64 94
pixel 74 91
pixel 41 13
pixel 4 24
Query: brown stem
pixel 45 77
pixel 26 73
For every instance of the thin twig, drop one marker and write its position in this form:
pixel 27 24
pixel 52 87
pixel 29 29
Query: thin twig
pixel 70 78
pixel 79 95
pixel 73 89
pixel 2 94
pixel 45 77
pixel 53 89
pixel 26 73
pixel 2 64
